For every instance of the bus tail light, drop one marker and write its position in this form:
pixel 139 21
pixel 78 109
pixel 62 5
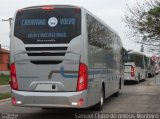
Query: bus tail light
pixel 82 77
pixel 132 71
pixel 80 102
pixel 14 100
pixel 47 8
pixel 78 9
pixel 13 78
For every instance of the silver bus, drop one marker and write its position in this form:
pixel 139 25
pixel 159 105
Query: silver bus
pixel 135 67
pixel 63 56
pixel 150 67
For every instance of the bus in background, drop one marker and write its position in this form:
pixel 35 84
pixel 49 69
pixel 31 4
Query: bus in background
pixel 125 55
pixel 63 56
pixel 150 67
pixel 136 67
pixel 157 67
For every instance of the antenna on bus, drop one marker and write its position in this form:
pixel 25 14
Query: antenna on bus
pixel 9 20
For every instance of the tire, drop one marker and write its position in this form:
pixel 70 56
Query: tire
pixel 138 78
pixel 116 94
pixel 149 75
pixel 44 108
pixel 120 82
pixel 99 106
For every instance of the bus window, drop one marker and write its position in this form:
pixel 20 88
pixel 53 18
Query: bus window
pixel 38 26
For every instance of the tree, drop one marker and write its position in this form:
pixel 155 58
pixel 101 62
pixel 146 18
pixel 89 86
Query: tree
pixel 143 21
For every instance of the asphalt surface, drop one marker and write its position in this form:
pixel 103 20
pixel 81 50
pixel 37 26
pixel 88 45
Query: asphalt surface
pixel 134 98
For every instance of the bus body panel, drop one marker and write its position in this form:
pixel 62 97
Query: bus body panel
pixel 62 74
pixel 105 65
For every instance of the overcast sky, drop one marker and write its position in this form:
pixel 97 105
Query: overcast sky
pixel 110 11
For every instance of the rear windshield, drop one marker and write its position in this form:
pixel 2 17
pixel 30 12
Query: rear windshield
pixel 138 59
pixel 38 26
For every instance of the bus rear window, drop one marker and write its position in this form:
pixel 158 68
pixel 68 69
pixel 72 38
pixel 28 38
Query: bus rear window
pixel 38 26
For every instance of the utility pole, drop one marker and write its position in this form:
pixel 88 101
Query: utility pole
pixel 9 20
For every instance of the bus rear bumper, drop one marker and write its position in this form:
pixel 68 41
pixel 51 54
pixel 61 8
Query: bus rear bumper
pixel 130 79
pixel 50 99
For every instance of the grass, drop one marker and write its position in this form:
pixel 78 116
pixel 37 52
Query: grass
pixel 4 79
pixel 5 95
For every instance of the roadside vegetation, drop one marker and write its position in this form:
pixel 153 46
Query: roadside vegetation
pixel 143 23
pixel 4 79
pixel 5 95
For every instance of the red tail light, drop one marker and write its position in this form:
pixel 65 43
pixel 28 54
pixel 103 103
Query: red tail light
pixel 14 100
pixel 78 9
pixel 132 71
pixel 82 77
pixel 47 8
pixel 81 101
pixel 13 78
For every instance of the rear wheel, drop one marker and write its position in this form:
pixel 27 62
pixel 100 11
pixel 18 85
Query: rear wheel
pixel 99 106
pixel 117 93
pixel 149 75
pixel 45 108
pixel 139 76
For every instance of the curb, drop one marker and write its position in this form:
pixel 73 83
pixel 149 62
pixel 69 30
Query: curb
pixel 3 86
pixel 5 100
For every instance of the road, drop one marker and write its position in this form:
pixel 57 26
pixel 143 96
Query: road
pixel 134 98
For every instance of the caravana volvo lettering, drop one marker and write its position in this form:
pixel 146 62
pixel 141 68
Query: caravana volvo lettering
pixel 33 22
pixel 75 58
pixel 38 22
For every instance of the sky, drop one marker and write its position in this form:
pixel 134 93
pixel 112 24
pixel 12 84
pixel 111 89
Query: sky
pixel 110 11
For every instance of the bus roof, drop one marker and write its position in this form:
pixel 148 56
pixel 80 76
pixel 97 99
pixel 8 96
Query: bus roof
pixel 135 52
pixel 54 6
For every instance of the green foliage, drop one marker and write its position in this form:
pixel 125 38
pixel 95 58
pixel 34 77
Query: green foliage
pixel 4 79
pixel 5 95
pixel 143 22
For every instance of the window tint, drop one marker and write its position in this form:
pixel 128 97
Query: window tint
pixel 138 59
pixel 101 43
pixel 37 26
pixel 98 34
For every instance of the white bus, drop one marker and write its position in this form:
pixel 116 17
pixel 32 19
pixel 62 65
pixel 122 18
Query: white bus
pixel 63 56
pixel 157 67
pixel 150 67
pixel 136 67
